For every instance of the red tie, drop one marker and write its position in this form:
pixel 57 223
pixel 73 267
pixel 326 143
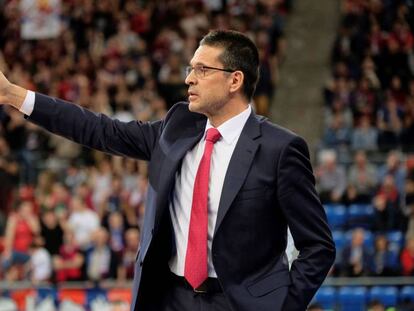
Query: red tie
pixel 196 258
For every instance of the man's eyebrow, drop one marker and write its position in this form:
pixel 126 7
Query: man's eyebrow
pixel 198 64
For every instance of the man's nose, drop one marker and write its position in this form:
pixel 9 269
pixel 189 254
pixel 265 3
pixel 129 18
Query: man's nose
pixel 191 78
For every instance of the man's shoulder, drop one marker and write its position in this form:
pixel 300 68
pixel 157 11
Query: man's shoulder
pixel 275 131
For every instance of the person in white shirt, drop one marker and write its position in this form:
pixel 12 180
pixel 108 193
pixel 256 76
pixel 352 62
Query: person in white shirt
pixel 83 221
pixel 40 263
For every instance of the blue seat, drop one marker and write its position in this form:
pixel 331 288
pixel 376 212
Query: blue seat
pixel 352 298
pixel 388 295
pixel 45 292
pixel 93 294
pixel 339 239
pixel 407 294
pixel 337 216
pixel 326 296
pixel 360 215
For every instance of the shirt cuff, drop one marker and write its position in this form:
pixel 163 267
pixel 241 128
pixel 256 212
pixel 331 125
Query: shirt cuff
pixel 28 103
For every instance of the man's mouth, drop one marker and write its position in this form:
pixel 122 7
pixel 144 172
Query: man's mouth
pixel 192 95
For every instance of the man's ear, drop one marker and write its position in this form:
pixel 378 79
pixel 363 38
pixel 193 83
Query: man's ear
pixel 237 80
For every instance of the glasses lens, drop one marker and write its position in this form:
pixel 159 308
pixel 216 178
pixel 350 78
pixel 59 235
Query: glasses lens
pixel 188 70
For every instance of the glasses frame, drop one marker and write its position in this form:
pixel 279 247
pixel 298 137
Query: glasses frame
pixel 201 69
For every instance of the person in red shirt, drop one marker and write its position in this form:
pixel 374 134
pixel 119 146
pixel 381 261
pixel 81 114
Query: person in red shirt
pixel 407 257
pixel 68 264
pixel 21 227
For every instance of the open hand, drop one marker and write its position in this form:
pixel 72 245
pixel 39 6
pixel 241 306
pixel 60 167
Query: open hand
pixel 10 93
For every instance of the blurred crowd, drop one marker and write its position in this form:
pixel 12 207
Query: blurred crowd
pixel 366 151
pixel 70 213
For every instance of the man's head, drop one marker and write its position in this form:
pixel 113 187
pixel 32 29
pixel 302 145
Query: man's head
pixel 358 237
pixel 224 67
pixel 239 53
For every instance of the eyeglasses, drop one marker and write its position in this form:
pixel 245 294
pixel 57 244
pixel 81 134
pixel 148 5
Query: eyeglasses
pixel 201 70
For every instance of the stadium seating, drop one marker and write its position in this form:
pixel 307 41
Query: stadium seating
pixel 360 215
pixel 336 214
pixel 407 294
pixel 388 295
pixel 326 297
pixel 352 298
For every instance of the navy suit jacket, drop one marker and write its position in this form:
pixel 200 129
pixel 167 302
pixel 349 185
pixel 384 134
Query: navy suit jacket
pixel 269 185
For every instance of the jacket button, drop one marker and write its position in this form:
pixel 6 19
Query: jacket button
pixel 141 263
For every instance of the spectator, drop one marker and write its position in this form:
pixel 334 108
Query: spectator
pixel 116 229
pixel 331 179
pixel 394 168
pixel 337 135
pixel 268 75
pixel 75 177
pixel 84 192
pixel 365 103
pixel 387 205
pixel 21 227
pixel 384 261
pixel 362 179
pixel 389 124
pixel 365 136
pixel 68 263
pixel 101 184
pixel 40 263
pixel 356 256
pixel 101 261
pixel 51 232
pixel 83 222
pixel 127 266
pixel 407 257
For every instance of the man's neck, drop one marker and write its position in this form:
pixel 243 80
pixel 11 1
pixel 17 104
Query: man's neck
pixel 229 111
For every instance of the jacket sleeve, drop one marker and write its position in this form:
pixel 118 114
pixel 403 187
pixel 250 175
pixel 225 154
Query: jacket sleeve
pixel 94 130
pixel 307 221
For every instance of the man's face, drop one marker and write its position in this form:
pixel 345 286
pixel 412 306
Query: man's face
pixel 208 92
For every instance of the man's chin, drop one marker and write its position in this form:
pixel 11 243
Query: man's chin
pixel 193 106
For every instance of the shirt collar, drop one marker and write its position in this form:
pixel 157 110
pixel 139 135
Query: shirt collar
pixel 231 129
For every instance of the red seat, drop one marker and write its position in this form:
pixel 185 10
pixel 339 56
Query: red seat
pixel 19 297
pixel 77 296
pixel 124 295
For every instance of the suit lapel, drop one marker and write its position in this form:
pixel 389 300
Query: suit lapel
pixel 239 166
pixel 173 157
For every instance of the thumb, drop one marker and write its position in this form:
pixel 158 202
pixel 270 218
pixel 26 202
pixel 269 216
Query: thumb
pixel 4 86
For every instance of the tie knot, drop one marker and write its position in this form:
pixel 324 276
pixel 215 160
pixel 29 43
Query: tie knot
pixel 213 135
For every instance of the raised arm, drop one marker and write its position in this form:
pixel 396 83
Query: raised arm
pixel 98 131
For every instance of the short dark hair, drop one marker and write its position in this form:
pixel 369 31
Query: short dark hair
pixel 240 53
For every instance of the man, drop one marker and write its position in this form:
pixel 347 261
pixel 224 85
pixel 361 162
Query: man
pixel 213 243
